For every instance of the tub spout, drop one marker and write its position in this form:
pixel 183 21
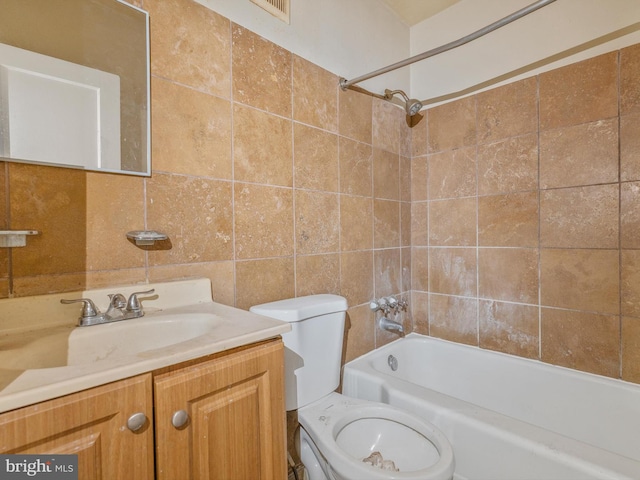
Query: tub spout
pixel 390 325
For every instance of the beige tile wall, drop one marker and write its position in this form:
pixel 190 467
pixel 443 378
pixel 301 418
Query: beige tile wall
pixel 525 223
pixel 509 217
pixel 267 178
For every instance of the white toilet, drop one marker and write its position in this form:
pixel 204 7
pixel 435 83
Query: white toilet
pixel 343 438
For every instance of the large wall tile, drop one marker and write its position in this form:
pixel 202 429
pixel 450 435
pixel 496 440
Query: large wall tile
pixel 315 95
pixel 629 87
pixel 420 269
pixel 419 136
pixel 315 156
pixel 453 271
pixel 630 282
pixel 454 318
pixel 419 224
pixel 355 112
pixel 264 81
pixel 262 281
pixel 386 223
pixel 452 125
pixel 190 45
pixel 191 131
pixel 578 93
pixel 419 179
pixel 196 214
pixel 509 165
pixel 580 217
pixel 630 147
pixel 262 147
pixel 360 332
pixel 388 126
pixel 452 174
pixel 356 223
pixel 631 349
pixel 387 272
pixel 509 274
pixel 356 167
pixel 509 328
pixel 356 276
pixel 221 275
pixel 508 111
pixel 580 279
pixel 583 341
pixel 583 154
pixel 317 274
pixel 115 206
pixel 508 220
pixel 630 215
pixel 453 222
pixel 263 221
pixel 317 223
pixel 386 174
pixel 420 312
pixel 52 201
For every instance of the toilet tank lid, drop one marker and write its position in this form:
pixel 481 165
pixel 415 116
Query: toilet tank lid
pixel 300 308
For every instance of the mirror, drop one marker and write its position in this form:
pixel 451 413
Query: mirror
pixel 74 84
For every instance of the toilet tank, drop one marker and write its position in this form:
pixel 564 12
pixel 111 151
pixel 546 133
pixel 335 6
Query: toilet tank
pixel 313 347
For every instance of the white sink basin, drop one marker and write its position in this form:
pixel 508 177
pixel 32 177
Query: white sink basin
pixel 130 337
pixel 67 346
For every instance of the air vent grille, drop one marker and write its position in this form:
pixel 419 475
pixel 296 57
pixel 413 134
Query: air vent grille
pixel 277 8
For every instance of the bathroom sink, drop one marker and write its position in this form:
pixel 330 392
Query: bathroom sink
pixel 130 337
pixel 69 346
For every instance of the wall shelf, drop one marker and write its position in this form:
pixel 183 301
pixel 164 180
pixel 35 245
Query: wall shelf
pixel 15 238
pixel 146 237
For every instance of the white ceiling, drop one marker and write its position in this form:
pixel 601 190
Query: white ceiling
pixel 414 11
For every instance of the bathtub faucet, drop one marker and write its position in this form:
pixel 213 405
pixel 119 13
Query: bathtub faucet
pixel 387 324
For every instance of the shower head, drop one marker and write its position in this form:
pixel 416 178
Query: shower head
pixel 411 105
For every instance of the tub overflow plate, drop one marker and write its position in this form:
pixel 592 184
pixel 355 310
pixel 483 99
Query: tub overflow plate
pixel 393 362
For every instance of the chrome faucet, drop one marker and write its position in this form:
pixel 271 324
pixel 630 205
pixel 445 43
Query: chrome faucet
pixel 119 309
pixel 389 305
pixel 386 323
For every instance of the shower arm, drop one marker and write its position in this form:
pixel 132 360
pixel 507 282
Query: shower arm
pixel 344 83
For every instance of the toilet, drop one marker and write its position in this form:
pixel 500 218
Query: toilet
pixel 343 438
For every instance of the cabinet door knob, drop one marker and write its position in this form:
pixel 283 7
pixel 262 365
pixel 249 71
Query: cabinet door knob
pixel 180 418
pixel 136 421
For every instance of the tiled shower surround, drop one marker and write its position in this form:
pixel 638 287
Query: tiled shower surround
pixel 510 218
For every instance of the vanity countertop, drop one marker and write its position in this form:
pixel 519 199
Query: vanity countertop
pixel 181 323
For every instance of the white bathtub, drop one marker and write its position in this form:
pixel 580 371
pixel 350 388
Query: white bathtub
pixel 508 418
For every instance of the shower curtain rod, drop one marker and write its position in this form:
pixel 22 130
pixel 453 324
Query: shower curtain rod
pixel 344 83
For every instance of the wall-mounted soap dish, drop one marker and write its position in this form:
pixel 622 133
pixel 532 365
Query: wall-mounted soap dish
pixel 146 237
pixel 15 238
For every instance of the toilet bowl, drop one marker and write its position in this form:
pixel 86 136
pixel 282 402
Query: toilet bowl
pixel 342 438
pixel 339 434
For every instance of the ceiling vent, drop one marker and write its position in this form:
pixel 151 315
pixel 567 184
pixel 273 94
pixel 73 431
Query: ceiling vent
pixel 277 8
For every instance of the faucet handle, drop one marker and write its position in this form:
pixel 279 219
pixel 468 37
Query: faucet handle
pixel 89 308
pixel 133 304
pixel 117 300
pixel 392 302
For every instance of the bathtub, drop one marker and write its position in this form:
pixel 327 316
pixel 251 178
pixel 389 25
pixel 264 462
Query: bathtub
pixel 508 418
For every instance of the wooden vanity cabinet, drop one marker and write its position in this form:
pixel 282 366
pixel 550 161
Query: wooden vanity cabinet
pixel 233 409
pixel 90 424
pixel 232 404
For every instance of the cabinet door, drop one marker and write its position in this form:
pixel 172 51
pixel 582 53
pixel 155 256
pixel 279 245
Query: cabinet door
pixel 91 424
pixel 236 420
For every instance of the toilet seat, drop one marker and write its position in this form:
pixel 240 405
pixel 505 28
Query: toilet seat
pixel 328 418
